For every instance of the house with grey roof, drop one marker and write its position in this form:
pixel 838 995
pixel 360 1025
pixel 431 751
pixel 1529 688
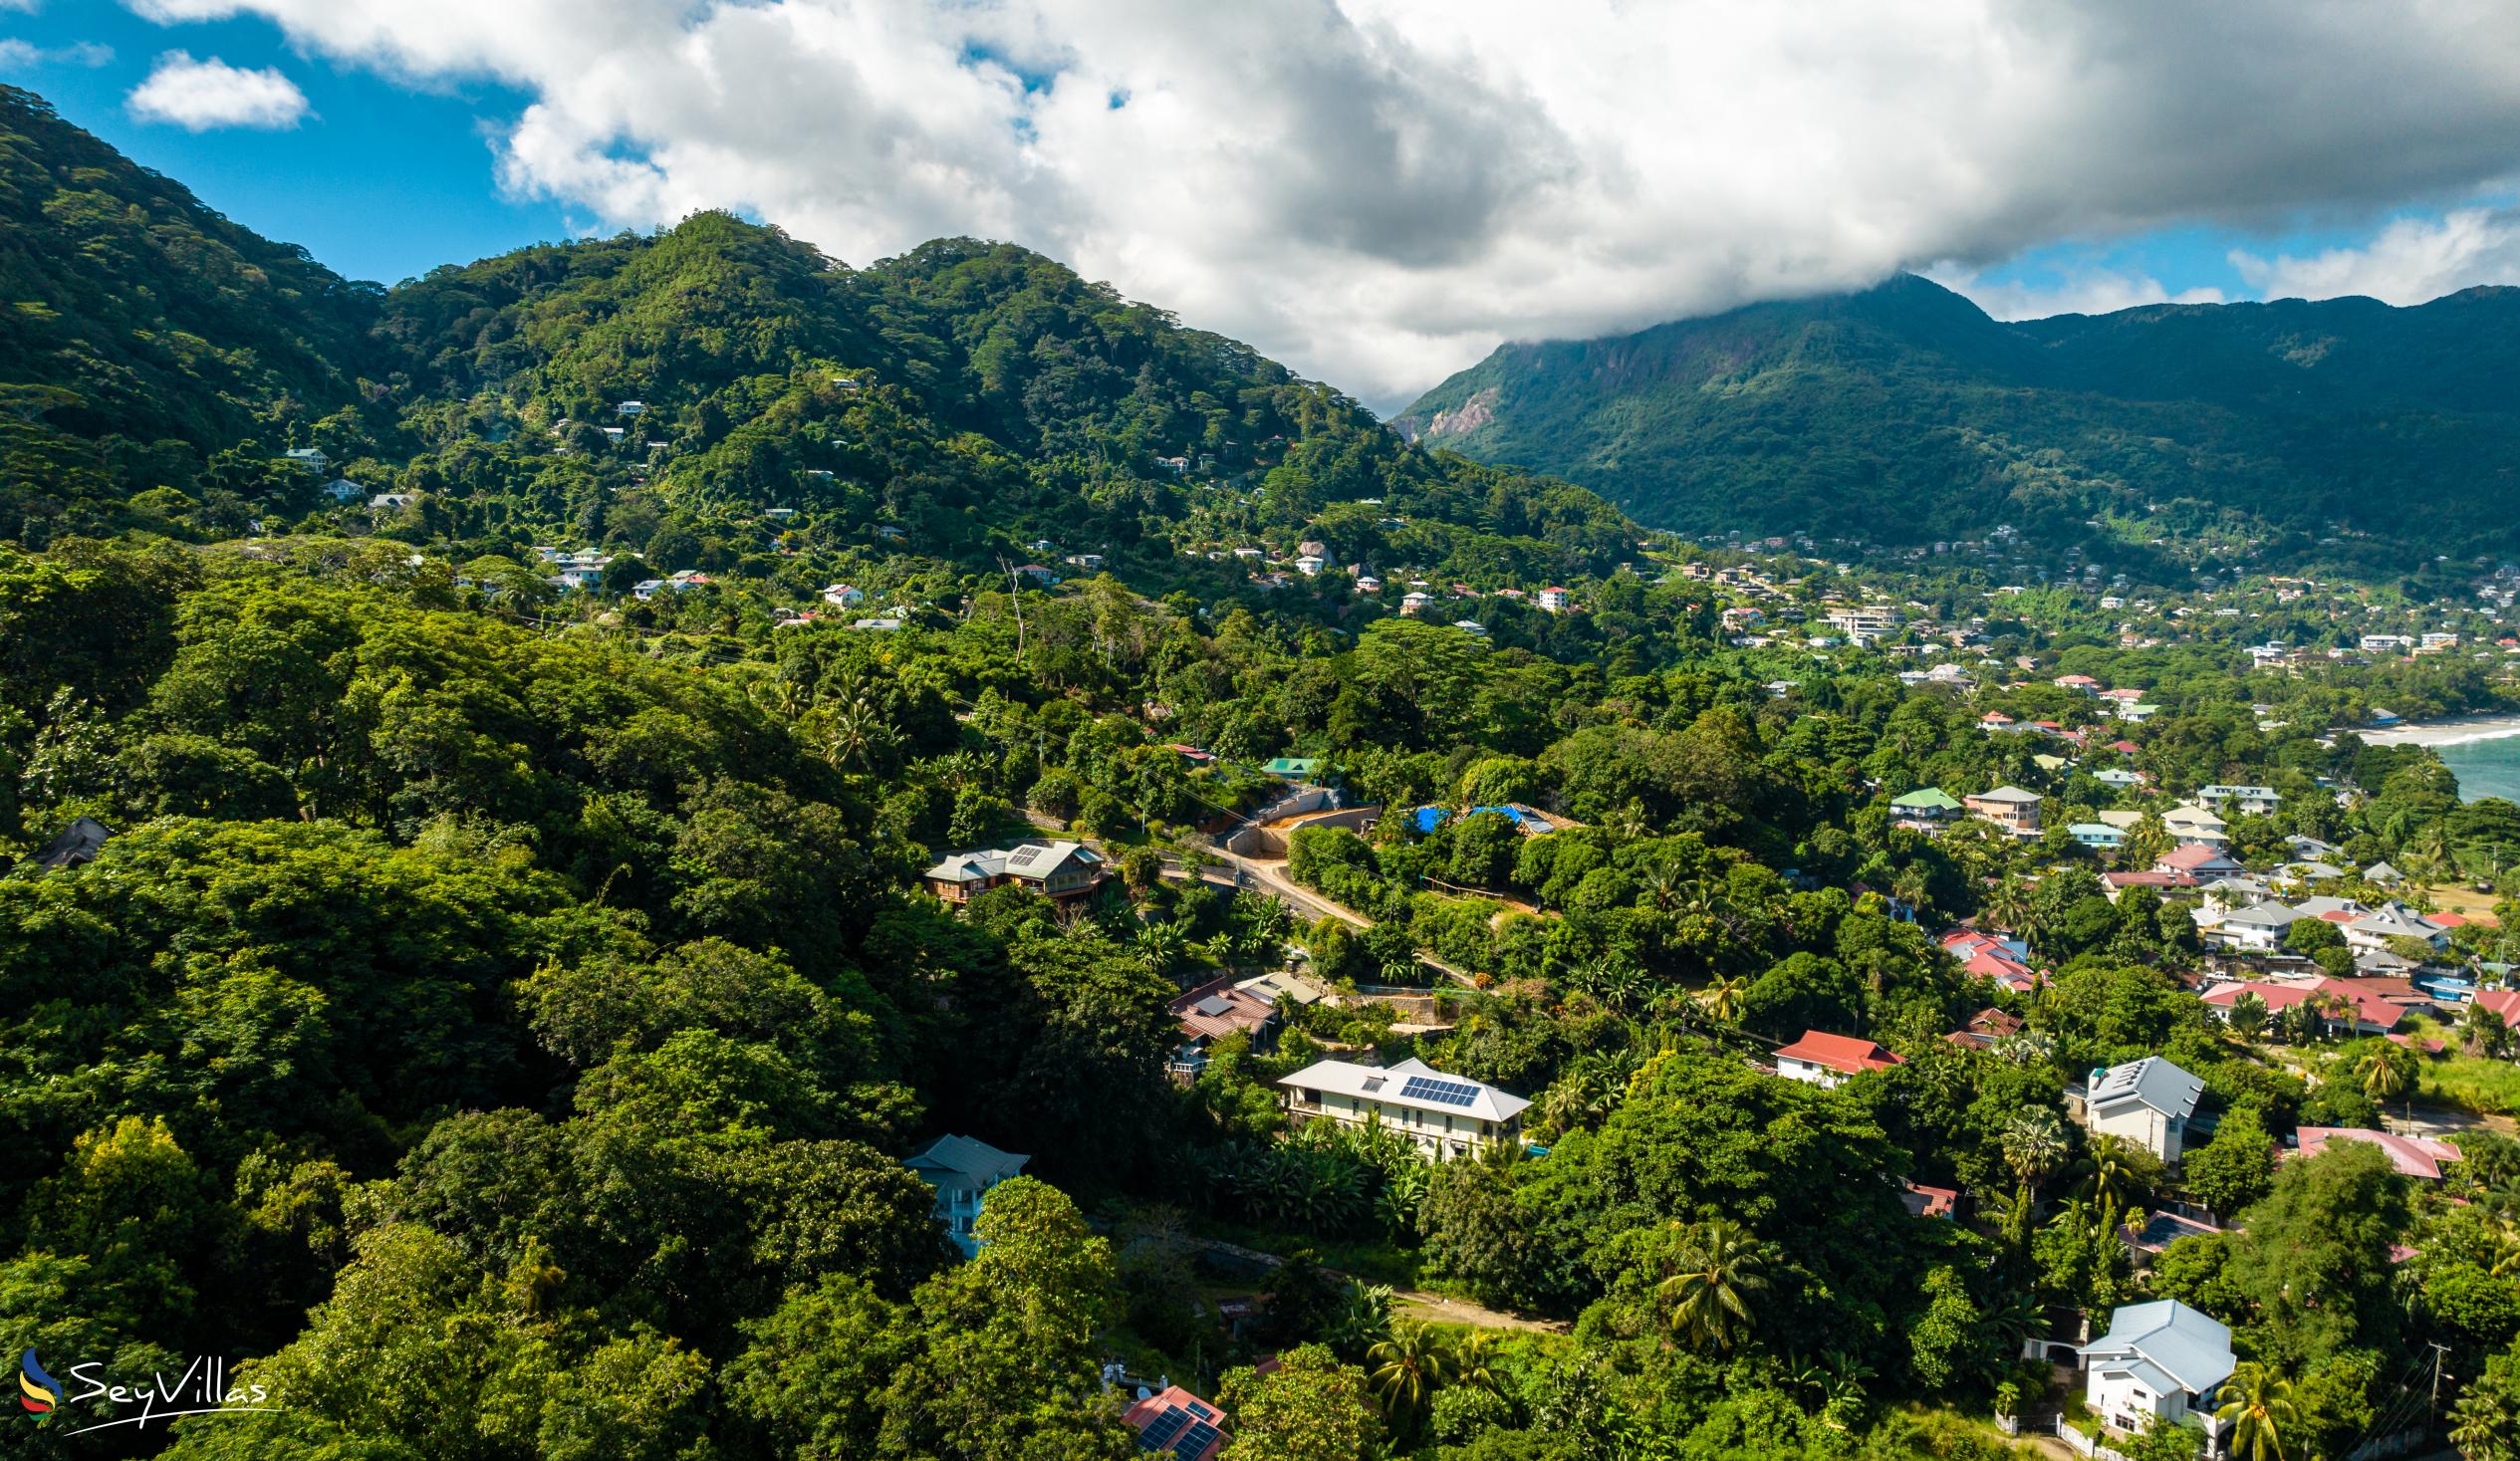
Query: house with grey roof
pixel 2159 1364
pixel 962 1170
pixel 2147 1102
pixel 2251 801
pixel 2392 919
pixel 1445 1115
pixel 1055 869
pixel 2256 929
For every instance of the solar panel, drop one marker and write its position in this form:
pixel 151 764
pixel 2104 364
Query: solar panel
pixel 1201 1411
pixel 1445 1093
pixel 1163 1429
pixel 1214 1005
pixel 1194 1440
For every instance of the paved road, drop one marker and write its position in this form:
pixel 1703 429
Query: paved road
pixel 1267 875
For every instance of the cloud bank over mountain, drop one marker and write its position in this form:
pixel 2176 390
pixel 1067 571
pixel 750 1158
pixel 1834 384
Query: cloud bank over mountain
pixel 1381 190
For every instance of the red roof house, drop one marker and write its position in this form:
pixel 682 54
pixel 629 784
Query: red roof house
pixel 1822 1058
pixel 2415 1156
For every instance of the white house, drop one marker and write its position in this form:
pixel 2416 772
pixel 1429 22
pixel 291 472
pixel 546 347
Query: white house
pixel 2194 824
pixel 1446 1117
pixel 2257 929
pixel 1554 600
pixel 962 1172
pixel 2147 1102
pixel 2253 801
pixel 2393 919
pixel 2160 1363
pixel 1825 1059
pixel 843 595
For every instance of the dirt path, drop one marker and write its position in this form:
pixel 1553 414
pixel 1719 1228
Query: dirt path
pixel 1438 1308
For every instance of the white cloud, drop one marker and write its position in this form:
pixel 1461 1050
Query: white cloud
pixel 2094 290
pixel 1377 191
pixel 2406 263
pixel 200 95
pixel 15 54
pixel 22 7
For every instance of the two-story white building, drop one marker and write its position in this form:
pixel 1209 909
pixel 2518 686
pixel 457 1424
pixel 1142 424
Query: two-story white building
pixel 2147 1102
pixel 2251 801
pixel 1447 1115
pixel 2160 1363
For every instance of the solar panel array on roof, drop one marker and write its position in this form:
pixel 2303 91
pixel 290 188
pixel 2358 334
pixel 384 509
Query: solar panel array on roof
pixel 1163 1429
pixel 1214 1005
pixel 1194 1441
pixel 1447 1092
pixel 1201 1411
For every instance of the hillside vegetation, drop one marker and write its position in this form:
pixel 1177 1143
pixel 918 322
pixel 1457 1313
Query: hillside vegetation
pixel 1904 414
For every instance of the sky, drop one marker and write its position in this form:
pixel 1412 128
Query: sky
pixel 1376 192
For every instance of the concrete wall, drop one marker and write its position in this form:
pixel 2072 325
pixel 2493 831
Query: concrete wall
pixel 1271 842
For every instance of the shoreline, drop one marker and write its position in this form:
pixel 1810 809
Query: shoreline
pixel 2437 733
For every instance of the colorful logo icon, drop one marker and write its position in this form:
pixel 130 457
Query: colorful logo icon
pixel 37 1391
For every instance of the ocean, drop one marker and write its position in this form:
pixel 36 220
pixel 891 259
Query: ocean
pixel 2487 768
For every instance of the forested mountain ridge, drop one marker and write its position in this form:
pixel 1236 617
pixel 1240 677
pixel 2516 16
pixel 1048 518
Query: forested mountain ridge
pixel 1903 413
pixel 654 395
pixel 495 1018
pixel 141 331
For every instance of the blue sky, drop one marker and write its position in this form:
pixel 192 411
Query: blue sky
pixel 1375 191
pixel 381 181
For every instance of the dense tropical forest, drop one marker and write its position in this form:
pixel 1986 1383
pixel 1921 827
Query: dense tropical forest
pixel 2342 433
pixel 499 1007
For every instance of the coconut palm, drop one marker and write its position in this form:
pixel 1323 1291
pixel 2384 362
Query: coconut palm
pixel 2383 1074
pixel 2007 908
pixel 1407 1371
pixel 1474 1361
pixel 2034 1144
pixel 2483 1035
pixel 2248 1017
pixel 2257 1405
pixel 1722 999
pixel 2115 1171
pixel 1720 1264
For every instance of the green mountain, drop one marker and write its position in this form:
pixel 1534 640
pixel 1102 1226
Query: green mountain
pixel 139 331
pixel 1905 413
pixel 960 402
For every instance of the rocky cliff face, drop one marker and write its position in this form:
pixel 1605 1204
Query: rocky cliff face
pixel 1461 420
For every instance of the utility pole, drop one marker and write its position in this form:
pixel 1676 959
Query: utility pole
pixel 2438 1349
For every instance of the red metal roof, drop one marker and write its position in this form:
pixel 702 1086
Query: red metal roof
pixel 2415 1157
pixel 1839 1053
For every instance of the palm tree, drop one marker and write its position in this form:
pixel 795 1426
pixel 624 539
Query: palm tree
pixel 1474 1361
pixel 1722 999
pixel 1407 1370
pixel 2112 1172
pixel 2007 908
pixel 2258 1406
pixel 2034 1144
pixel 2383 1075
pixel 1720 1262
pixel 2483 1034
pixel 2248 1017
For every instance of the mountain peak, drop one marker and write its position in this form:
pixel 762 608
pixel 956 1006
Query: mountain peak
pixel 1905 413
